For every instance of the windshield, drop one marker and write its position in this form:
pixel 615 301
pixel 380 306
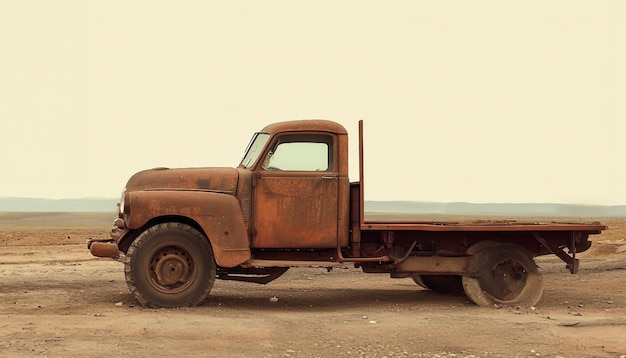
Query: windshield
pixel 254 149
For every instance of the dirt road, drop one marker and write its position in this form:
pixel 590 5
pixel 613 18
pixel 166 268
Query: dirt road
pixel 56 300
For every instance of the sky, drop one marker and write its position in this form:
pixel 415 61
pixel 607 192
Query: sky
pixel 475 101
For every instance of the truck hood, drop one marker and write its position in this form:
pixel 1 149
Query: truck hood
pixel 210 179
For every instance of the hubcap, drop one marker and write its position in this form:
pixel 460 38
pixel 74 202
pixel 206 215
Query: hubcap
pixel 507 281
pixel 172 269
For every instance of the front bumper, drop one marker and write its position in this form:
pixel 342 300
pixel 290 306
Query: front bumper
pixel 104 248
pixel 108 248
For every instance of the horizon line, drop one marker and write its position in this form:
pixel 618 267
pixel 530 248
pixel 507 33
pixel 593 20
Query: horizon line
pixel 366 200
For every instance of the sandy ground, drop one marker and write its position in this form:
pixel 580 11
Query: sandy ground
pixel 57 300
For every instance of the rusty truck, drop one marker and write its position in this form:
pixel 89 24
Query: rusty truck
pixel 290 203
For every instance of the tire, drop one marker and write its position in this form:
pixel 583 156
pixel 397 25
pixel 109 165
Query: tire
pixel 440 283
pixel 170 265
pixel 504 274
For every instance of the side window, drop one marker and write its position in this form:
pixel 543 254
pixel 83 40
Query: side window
pixel 300 153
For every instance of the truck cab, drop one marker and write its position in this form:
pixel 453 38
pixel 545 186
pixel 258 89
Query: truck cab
pixel 294 183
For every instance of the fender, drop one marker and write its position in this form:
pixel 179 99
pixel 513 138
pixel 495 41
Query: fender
pixel 218 214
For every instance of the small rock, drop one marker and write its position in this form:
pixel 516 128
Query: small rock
pixel 373 322
pixel 364 317
pixel 119 304
pixel 575 313
pixel 273 299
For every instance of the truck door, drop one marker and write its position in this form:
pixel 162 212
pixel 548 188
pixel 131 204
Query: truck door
pixel 295 193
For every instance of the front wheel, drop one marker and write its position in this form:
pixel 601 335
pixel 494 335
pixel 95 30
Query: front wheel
pixel 170 265
pixel 503 274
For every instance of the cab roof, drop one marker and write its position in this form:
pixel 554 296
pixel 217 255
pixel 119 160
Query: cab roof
pixel 317 125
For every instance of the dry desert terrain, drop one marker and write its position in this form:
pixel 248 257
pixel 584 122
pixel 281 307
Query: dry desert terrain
pixel 56 300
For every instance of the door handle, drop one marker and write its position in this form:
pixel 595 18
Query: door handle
pixel 329 177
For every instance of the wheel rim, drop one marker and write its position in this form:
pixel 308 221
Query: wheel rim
pixel 171 269
pixel 507 280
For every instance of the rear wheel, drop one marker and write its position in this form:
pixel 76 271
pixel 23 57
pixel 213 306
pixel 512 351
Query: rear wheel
pixel 440 283
pixel 170 265
pixel 503 274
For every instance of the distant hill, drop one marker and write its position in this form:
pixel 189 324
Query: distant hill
pixel 521 209
pixel 459 208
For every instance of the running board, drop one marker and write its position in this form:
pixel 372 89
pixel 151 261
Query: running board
pixel 261 275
